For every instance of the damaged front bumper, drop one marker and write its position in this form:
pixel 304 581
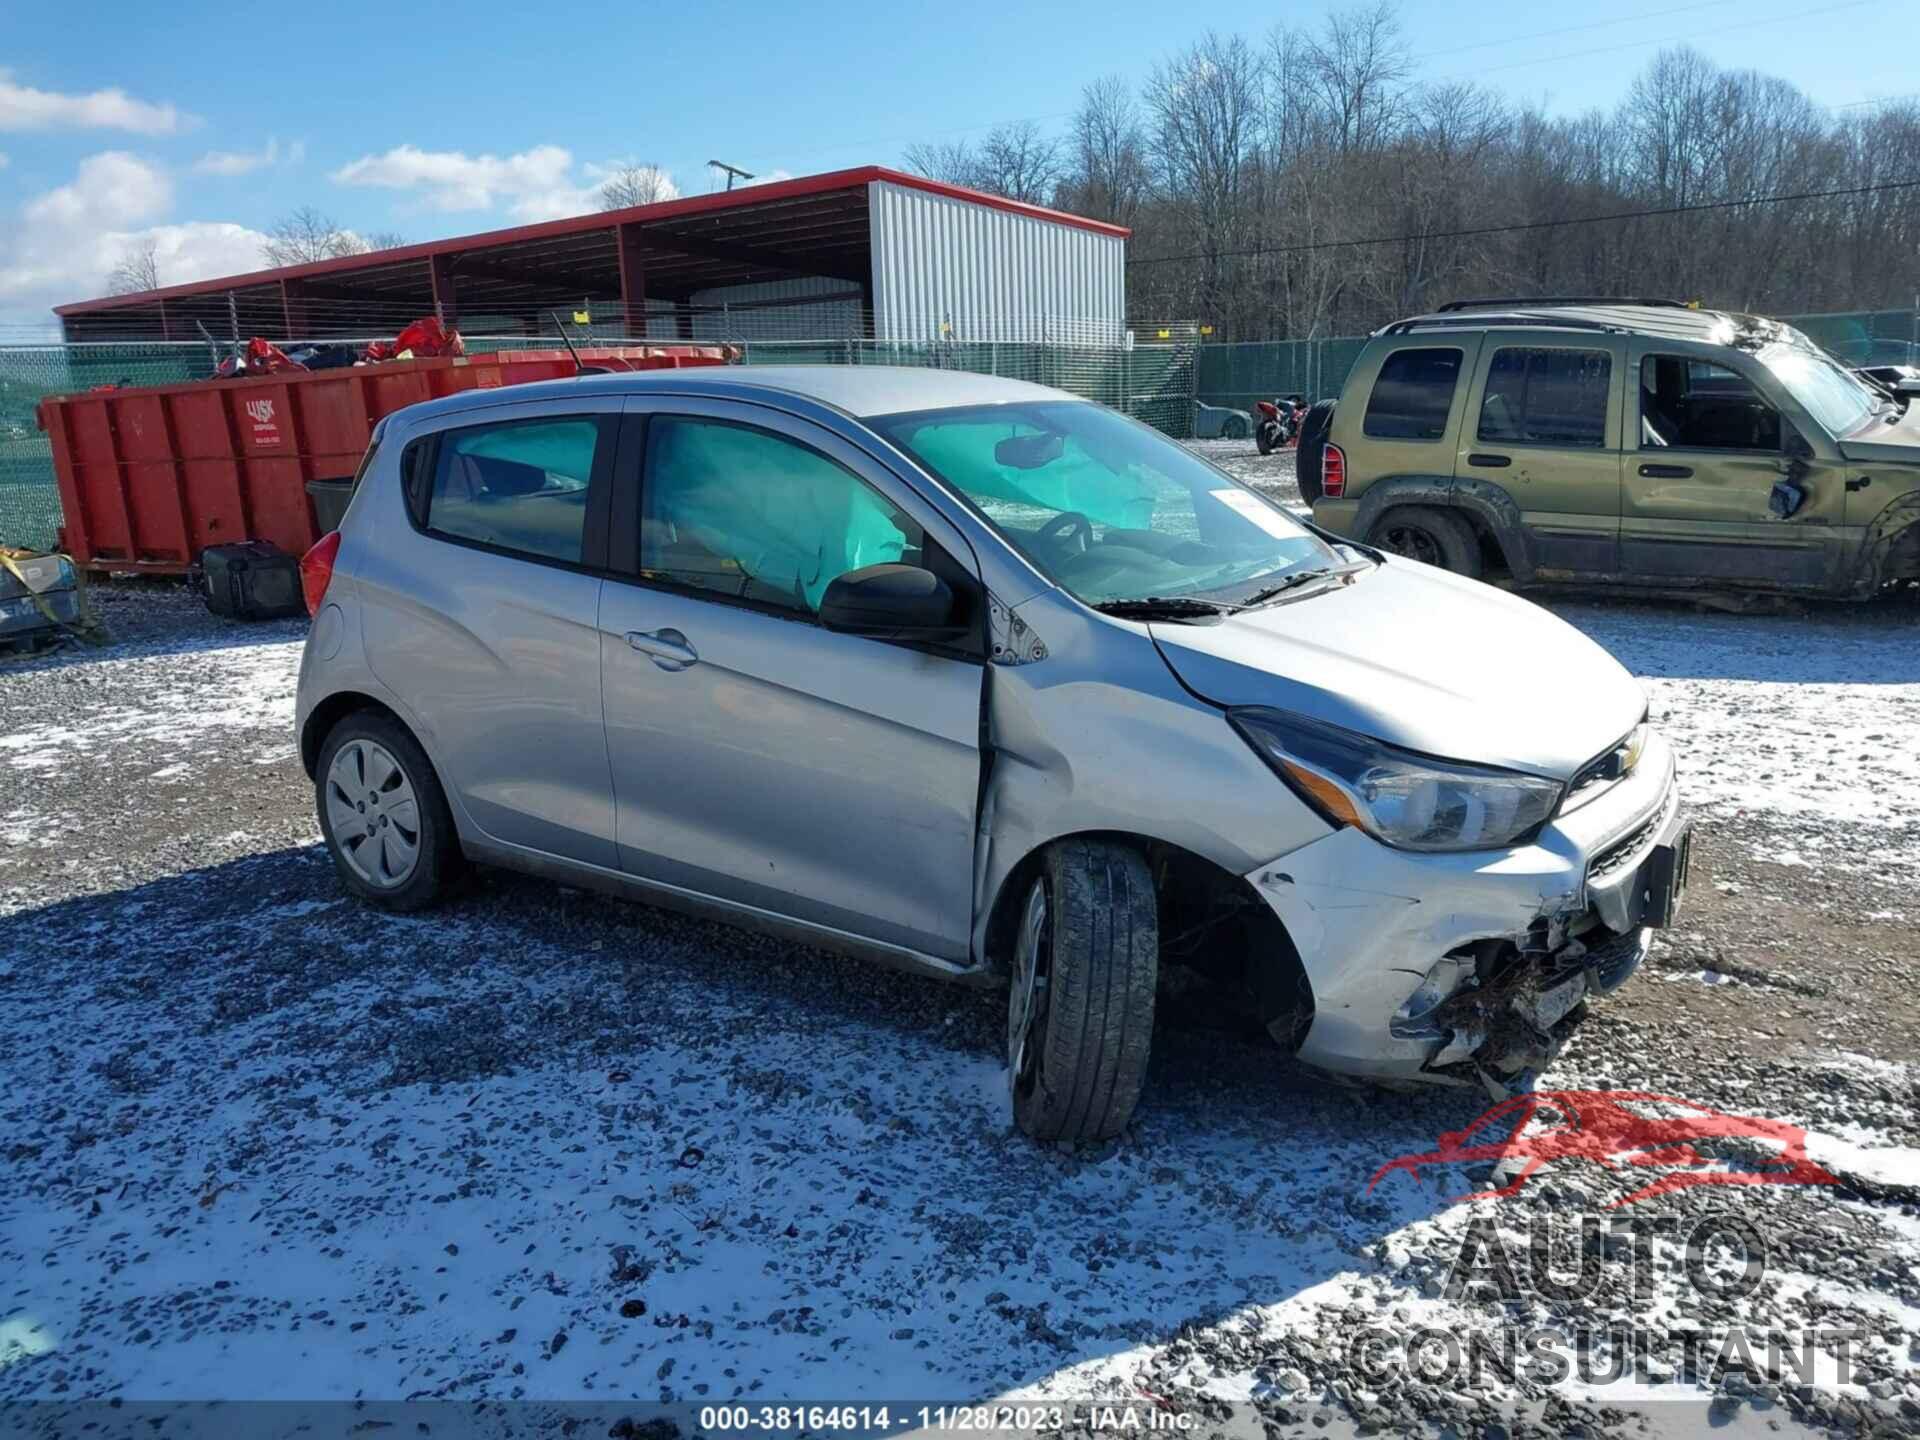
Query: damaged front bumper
pixel 1473 968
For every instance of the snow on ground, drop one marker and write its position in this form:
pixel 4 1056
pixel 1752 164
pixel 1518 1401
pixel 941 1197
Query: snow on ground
pixel 264 1141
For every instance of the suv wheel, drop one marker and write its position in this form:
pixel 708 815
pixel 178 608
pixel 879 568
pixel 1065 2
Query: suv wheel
pixel 384 815
pixel 1313 444
pixel 1433 537
pixel 1080 1009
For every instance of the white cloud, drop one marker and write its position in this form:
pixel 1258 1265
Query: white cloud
pixel 772 177
pixel 63 243
pixel 245 162
pixel 4 161
pixel 536 184
pixel 111 190
pixel 24 108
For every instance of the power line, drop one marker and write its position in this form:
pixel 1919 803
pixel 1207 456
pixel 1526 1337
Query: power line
pixel 1506 40
pixel 1663 40
pixel 1529 225
pixel 1877 100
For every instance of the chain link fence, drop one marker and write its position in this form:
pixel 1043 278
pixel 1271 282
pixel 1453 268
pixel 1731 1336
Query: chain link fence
pixel 1154 383
pixel 1162 382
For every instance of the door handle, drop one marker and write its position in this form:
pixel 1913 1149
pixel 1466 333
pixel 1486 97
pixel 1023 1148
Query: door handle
pixel 1493 462
pixel 1666 472
pixel 667 648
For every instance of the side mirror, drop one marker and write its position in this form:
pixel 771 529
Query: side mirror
pixel 901 601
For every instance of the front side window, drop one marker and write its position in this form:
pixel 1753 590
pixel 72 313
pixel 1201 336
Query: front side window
pixel 1108 508
pixel 1693 404
pixel 1540 396
pixel 752 515
pixel 1413 393
pixel 519 485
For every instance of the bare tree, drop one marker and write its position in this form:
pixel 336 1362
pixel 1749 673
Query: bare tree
pixel 1017 161
pixel 137 269
pixel 953 162
pixel 1205 103
pixel 1107 153
pixel 1358 69
pixel 635 184
pixel 1314 187
pixel 383 239
pixel 307 235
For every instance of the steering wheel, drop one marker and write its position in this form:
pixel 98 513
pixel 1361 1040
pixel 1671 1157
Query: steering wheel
pixel 1069 525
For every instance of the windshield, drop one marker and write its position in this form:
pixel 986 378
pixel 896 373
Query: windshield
pixel 1838 400
pixel 1106 507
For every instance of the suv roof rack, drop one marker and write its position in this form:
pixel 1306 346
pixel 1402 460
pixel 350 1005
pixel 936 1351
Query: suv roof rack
pixel 1554 322
pixel 1534 300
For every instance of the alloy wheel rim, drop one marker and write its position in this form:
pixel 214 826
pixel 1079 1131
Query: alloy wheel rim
pixel 1028 1000
pixel 373 814
pixel 1414 543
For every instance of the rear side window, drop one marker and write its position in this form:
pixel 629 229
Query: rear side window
pixel 1411 398
pixel 519 485
pixel 1547 397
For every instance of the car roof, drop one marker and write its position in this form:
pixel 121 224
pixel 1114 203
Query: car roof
pixel 1667 321
pixel 859 390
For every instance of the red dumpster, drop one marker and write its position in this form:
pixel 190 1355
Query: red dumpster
pixel 151 476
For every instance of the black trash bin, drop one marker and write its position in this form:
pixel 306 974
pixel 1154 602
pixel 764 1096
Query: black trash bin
pixel 330 499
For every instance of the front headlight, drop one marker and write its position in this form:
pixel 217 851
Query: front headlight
pixel 1398 797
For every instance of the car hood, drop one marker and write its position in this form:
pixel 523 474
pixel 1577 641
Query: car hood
pixel 1898 443
pixel 1422 659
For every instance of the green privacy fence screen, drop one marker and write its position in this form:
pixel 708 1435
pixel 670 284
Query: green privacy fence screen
pixel 1238 375
pixel 1157 383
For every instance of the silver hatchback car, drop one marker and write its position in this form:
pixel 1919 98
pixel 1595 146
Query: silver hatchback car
pixel 980 679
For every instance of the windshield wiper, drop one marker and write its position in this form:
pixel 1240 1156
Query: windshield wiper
pixel 1163 607
pixel 1292 582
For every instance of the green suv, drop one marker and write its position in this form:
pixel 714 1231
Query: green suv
pixel 1636 443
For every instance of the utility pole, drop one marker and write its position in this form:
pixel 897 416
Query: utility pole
pixel 734 172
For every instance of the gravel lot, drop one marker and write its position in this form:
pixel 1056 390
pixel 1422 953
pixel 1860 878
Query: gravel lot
pixel 264 1142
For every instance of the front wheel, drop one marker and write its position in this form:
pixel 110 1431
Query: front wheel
pixel 1080 1009
pixel 1269 437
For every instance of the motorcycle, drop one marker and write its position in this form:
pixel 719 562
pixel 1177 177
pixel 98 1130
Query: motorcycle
pixel 1279 424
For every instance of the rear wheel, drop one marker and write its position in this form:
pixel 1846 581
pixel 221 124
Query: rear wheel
pixel 1431 536
pixel 1313 443
pixel 1080 1009
pixel 384 815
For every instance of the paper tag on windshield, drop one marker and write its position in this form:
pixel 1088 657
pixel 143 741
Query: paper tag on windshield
pixel 1260 513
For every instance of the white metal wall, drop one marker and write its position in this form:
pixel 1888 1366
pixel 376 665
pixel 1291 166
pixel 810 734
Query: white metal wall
pixel 990 274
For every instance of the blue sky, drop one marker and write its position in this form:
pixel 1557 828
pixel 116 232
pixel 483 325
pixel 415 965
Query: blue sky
pixel 431 121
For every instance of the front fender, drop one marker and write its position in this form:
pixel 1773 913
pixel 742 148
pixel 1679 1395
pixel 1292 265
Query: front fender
pixel 1489 504
pixel 1893 526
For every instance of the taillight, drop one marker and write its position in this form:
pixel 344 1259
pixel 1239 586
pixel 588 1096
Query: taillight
pixel 316 569
pixel 1333 472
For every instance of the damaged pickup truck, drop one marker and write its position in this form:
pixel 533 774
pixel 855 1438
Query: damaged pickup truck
pixel 978 679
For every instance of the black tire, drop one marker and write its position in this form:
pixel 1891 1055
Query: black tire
pixel 1079 1073
pixel 1437 537
pixel 1267 436
pixel 440 863
pixel 1313 443
pixel 1234 427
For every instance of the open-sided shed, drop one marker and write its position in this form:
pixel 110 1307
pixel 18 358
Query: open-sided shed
pixel 867 253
